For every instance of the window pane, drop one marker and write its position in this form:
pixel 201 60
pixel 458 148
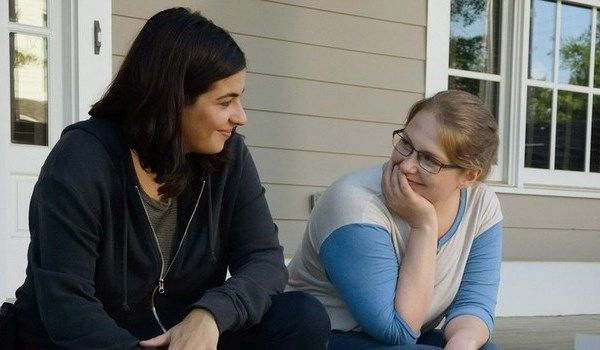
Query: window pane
pixel 30 12
pixel 28 93
pixel 595 154
pixel 541 40
pixel 475 31
pixel 570 131
pixel 487 91
pixel 575 43
pixel 537 131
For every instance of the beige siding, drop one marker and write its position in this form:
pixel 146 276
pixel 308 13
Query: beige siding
pixel 551 212
pixel 327 83
pixel 550 244
pixel 302 25
pixel 541 228
pixel 322 99
pixel 306 168
pixel 318 134
pixel 410 12
pixel 290 234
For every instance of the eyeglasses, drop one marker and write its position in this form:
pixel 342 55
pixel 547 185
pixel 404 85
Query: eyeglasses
pixel 426 161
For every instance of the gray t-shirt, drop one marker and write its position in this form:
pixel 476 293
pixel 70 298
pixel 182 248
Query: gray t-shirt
pixel 163 217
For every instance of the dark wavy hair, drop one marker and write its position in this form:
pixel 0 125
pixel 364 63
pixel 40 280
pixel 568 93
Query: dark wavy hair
pixel 176 57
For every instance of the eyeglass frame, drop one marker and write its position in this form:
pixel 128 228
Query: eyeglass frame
pixel 441 165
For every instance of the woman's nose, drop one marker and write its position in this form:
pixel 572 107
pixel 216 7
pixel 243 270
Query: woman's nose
pixel 239 116
pixel 410 163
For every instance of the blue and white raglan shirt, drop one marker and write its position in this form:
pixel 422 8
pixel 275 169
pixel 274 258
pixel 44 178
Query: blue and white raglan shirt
pixel 353 247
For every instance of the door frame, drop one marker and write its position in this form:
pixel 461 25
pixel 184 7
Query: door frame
pixel 77 77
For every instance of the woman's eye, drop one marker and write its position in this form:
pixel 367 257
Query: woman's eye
pixel 430 159
pixel 225 103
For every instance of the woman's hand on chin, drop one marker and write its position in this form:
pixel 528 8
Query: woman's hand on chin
pixel 413 208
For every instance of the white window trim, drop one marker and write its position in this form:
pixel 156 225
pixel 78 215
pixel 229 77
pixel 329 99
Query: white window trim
pixel 513 177
pixel 438 47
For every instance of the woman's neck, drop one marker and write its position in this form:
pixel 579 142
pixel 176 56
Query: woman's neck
pixel 147 180
pixel 447 211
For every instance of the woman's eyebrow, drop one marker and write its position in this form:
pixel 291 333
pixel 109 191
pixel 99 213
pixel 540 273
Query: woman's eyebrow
pixel 433 155
pixel 231 94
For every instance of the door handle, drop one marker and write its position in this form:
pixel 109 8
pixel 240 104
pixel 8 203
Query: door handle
pixel 97 37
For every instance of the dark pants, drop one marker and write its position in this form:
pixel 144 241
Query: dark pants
pixel 433 339
pixel 296 320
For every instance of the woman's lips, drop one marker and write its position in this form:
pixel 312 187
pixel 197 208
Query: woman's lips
pixel 226 133
pixel 411 182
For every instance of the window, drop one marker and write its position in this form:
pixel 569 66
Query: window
pixel 476 56
pixel 28 47
pixel 536 64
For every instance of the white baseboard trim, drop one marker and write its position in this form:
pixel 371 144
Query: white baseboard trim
pixel 548 288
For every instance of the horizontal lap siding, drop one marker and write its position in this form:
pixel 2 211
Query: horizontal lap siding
pixel 307 133
pixel 327 83
pixel 409 12
pixel 306 168
pixel 298 24
pixel 551 212
pixel 541 228
pixel 323 99
pixel 551 244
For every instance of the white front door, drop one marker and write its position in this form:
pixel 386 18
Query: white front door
pixel 44 57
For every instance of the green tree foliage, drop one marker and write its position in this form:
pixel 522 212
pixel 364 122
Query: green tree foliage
pixel 467 53
pixel 466 11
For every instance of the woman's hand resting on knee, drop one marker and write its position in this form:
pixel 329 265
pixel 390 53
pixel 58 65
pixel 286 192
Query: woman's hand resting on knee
pixel 198 331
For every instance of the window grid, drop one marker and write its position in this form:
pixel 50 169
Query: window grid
pixel 498 171
pixel 556 63
pixel 46 33
pixel 589 90
pixel 514 176
pixel 475 75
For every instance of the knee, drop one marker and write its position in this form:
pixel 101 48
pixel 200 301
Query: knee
pixel 304 312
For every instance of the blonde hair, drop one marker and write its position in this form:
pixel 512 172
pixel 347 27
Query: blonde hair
pixel 467 129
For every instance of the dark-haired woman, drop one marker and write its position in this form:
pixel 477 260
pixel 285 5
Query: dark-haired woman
pixel 394 249
pixel 140 211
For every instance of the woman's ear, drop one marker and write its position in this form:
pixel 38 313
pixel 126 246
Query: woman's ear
pixel 469 177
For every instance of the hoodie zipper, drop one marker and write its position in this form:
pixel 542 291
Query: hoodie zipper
pixel 161 278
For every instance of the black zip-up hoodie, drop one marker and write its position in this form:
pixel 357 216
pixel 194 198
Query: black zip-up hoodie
pixel 94 266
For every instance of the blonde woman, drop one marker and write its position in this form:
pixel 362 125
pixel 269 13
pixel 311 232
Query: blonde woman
pixel 394 249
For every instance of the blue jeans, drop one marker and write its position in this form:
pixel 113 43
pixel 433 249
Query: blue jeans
pixel 433 339
pixel 295 321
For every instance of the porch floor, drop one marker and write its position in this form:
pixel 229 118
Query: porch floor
pixel 543 332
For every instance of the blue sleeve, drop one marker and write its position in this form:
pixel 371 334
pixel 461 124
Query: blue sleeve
pixel 361 263
pixel 479 286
